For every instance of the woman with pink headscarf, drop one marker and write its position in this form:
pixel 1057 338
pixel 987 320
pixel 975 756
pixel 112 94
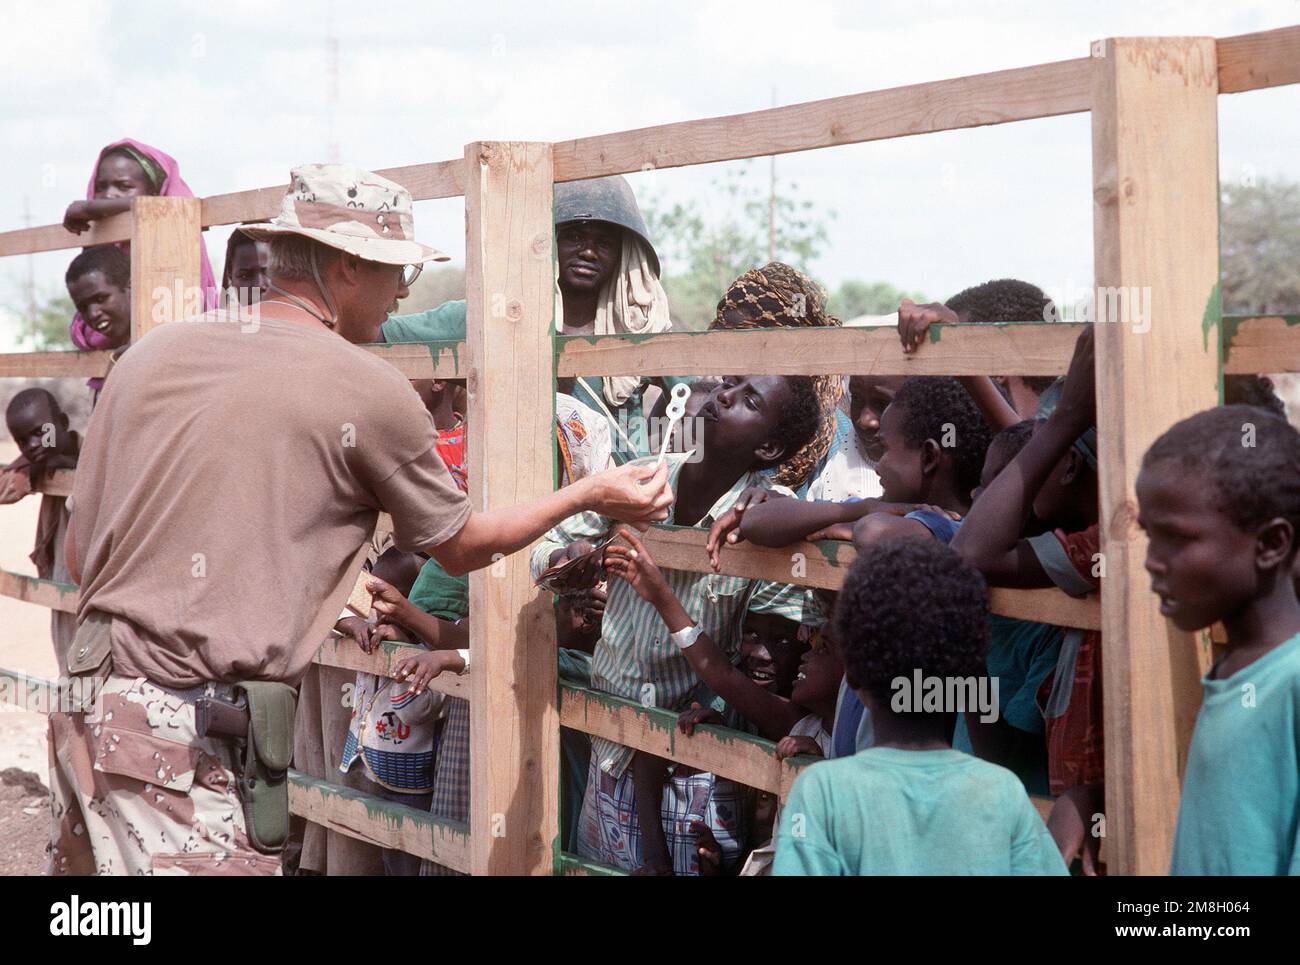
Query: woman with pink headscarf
pixel 127 168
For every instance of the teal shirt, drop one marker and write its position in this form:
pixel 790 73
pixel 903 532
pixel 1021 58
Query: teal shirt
pixel 1241 794
pixel 447 323
pixel 886 811
pixel 444 323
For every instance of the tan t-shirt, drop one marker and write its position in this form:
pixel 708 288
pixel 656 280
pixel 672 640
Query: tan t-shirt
pixel 228 487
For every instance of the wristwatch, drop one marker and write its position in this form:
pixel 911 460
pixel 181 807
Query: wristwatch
pixel 686 637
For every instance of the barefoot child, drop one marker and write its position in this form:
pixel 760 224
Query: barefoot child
pixel 910 804
pixel 1219 499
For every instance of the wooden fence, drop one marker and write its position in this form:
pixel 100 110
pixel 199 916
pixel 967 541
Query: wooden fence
pixel 1153 103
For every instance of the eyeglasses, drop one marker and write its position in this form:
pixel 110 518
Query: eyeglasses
pixel 410 273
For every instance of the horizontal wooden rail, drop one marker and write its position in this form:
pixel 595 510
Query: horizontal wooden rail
pixel 54 365
pixel 379 822
pixel 425 360
pixel 571 866
pixel 46 593
pixel 824 563
pixel 57 483
pixel 1261 343
pixel 1022 349
pixel 1269 58
pixel 740 757
pixel 1251 345
pixel 1023 93
pixel 343 652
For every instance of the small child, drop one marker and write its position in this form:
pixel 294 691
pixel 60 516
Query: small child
pixel 39 426
pixel 247 271
pixel 1219 500
pixel 394 726
pixel 911 804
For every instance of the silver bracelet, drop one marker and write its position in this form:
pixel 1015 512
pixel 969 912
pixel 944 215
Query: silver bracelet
pixel 686 637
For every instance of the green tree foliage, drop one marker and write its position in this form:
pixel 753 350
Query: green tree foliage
pixel 1259 238
pixel 47 329
pixel 854 298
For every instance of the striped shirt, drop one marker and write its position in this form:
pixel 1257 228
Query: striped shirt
pixel 634 657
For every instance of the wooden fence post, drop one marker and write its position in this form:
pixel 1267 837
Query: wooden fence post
pixel 514 720
pixel 165 275
pixel 1155 191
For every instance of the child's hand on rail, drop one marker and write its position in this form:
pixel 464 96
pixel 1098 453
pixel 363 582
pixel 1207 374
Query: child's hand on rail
pixel 420 668
pixel 915 320
pixel 77 218
pixel 726 529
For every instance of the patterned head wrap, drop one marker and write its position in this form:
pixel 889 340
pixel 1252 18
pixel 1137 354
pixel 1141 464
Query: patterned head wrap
pixel 778 296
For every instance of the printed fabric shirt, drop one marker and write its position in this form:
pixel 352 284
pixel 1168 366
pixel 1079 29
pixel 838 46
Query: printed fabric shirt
pixel 451 447
pixel 634 657
pixel 1070 698
pixel 847 474
pixel 394 733
pixel 1240 809
pixel 887 811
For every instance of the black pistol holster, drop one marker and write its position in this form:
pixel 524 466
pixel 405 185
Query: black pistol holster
pixel 258 722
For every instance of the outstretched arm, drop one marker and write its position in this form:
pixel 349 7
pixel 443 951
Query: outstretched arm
pixel 773 715
pixel 990 535
pixel 635 494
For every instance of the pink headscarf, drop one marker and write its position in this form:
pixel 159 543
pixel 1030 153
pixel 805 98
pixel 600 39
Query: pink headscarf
pixel 173 186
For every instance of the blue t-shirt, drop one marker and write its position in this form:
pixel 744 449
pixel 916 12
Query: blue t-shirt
pixel 888 811
pixel 1241 794
pixel 941 527
pixel 1021 656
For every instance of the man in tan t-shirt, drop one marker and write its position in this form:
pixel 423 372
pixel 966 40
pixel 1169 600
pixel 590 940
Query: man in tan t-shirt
pixel 229 483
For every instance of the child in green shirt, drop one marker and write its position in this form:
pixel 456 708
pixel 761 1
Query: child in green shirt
pixel 1219 499
pixel 911 611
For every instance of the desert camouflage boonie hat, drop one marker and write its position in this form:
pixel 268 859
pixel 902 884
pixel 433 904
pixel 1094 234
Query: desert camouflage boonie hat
pixel 351 209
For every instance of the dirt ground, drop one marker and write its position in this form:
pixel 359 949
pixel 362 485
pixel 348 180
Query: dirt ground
pixel 24 645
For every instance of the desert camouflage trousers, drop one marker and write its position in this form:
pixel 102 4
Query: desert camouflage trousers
pixel 136 791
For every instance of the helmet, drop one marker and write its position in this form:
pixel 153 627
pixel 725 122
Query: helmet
pixel 603 199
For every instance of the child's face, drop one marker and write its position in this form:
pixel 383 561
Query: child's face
pixel 105 307
pixel 997 458
pixel 28 427
pixel 1202 565
pixel 250 271
pixel 742 416
pixel 770 651
pixel 900 466
pixel 119 176
pixel 399 570
pixel 818 679
pixel 869 396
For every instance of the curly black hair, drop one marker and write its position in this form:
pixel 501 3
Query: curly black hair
pixel 907 605
pixel 109 259
pixel 1252 390
pixel 1012 439
pixel 1004 300
pixel 1250 456
pixel 929 404
pixel 799 422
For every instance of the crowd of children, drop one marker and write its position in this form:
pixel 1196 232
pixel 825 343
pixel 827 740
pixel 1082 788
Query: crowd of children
pixel 945 487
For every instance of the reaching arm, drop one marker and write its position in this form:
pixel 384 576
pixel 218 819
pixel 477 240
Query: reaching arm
pixel 773 715
pixel 783 520
pixel 997 411
pixel 635 494
pixel 990 535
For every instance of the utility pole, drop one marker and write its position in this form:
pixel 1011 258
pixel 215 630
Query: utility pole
pixel 771 202
pixel 31 276
pixel 332 86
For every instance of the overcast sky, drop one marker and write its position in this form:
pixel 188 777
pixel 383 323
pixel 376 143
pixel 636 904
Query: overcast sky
pixel 238 92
